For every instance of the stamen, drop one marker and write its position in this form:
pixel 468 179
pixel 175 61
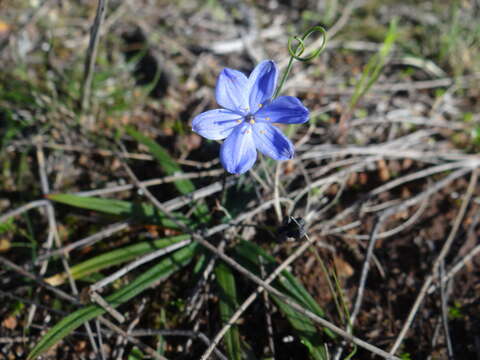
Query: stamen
pixel 260 105
pixel 267 118
pixel 239 121
pixel 252 121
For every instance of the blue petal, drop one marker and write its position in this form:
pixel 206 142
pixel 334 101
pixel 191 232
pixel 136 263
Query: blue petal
pixel 238 153
pixel 262 82
pixel 232 91
pixel 285 110
pixel 270 141
pixel 215 124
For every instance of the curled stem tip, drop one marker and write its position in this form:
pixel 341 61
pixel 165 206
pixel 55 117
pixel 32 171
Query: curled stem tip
pixel 298 51
pixel 295 54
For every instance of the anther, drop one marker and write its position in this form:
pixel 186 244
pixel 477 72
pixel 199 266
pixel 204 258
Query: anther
pixel 239 121
pixel 267 118
pixel 260 105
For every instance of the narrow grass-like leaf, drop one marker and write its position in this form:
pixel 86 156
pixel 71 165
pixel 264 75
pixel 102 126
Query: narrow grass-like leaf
pixel 228 304
pixel 114 257
pixel 163 269
pixel 248 255
pixel 141 212
pixel 168 165
pixel 305 329
pixel 375 65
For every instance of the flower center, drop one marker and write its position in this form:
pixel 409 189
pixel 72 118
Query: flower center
pixel 250 118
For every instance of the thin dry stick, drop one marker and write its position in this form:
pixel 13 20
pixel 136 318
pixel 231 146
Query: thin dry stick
pixel 95 297
pixel 444 312
pixel 458 266
pixel 365 269
pixel 195 303
pixel 59 293
pixel 132 339
pixel 16 339
pixel 126 269
pixel 412 201
pixel 27 301
pixel 92 54
pixel 268 314
pixel 120 345
pixel 278 208
pixel 363 279
pixel 152 182
pixel 186 333
pixel 436 264
pixel 22 209
pixel 100 339
pixel 107 232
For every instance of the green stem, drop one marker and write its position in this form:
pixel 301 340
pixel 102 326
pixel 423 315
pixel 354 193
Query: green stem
pixel 284 77
pixel 296 54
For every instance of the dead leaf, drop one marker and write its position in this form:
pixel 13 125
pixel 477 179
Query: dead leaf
pixel 343 268
pixel 5 245
pixel 10 322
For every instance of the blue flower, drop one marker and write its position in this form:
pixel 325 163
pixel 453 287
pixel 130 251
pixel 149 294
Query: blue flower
pixel 245 122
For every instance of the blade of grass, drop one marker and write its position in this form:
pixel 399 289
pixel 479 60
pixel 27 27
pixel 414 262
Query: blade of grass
pixel 138 211
pixel 374 66
pixel 228 304
pixel 370 73
pixel 163 269
pixel 112 258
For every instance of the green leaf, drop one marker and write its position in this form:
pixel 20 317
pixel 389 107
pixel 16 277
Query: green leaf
pixel 135 354
pixel 163 269
pixel 168 165
pixel 141 212
pixel 112 258
pixel 375 65
pixel 249 254
pixel 228 304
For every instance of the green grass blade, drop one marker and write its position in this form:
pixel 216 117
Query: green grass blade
pixel 114 257
pixel 141 212
pixel 168 165
pixel 375 65
pixel 163 269
pixel 228 304
pixel 248 255
pixel 305 329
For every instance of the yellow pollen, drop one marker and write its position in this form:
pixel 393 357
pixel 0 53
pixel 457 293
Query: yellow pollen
pixel 239 121
pixel 267 118
pixel 260 105
pixel 252 121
